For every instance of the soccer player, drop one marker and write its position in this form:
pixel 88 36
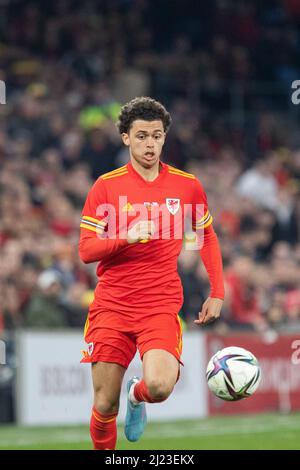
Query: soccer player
pixel 132 224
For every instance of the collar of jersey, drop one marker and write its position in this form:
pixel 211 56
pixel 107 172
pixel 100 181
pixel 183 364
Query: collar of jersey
pixel 135 174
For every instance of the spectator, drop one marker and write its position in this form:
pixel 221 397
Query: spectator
pixel 45 309
pixel 242 295
pixel 259 185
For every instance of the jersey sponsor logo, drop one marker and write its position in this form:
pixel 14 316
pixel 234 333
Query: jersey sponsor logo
pixel 173 205
pixel 90 348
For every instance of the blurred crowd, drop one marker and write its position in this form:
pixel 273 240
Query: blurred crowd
pixel 70 65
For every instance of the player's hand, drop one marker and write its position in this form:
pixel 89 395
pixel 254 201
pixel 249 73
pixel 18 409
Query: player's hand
pixel 143 230
pixel 211 311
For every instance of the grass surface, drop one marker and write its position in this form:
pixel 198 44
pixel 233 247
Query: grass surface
pixel 239 432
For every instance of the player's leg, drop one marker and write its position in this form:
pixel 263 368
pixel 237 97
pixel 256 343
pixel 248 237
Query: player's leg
pixel 159 343
pixel 160 346
pixel 107 382
pixel 111 351
pixel 160 373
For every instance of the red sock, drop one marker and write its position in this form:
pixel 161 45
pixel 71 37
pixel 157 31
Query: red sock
pixel 141 393
pixel 103 429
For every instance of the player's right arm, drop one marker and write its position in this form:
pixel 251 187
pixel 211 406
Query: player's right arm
pixel 94 245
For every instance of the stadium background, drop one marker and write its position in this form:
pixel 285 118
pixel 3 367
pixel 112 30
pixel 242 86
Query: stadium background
pixel 224 70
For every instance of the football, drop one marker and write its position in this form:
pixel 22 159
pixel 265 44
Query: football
pixel 233 373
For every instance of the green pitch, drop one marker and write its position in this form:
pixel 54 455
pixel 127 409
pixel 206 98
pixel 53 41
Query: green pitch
pixel 239 432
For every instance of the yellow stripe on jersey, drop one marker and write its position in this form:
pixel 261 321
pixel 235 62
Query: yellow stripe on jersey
pixel 86 327
pixel 122 168
pixel 179 347
pixel 198 227
pixel 174 170
pixel 114 175
pixel 181 172
pixel 185 175
pixel 209 222
pixel 93 228
pixel 205 223
pixel 91 219
pixel 202 218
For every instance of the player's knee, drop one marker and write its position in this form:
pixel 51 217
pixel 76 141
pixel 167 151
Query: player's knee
pixel 159 390
pixel 106 405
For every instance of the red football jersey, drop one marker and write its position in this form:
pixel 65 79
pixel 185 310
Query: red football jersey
pixel 141 278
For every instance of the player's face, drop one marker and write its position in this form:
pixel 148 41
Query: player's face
pixel 145 140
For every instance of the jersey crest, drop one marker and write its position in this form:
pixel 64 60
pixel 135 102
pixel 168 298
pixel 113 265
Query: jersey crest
pixel 173 205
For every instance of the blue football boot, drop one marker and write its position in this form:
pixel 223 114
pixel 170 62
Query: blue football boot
pixel 136 417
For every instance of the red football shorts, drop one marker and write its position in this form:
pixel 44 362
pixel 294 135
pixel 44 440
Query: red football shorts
pixel 114 337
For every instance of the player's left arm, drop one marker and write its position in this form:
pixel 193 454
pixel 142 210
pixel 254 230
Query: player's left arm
pixel 211 256
pixel 212 260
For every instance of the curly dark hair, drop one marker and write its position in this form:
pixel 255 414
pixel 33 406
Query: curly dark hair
pixel 144 108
